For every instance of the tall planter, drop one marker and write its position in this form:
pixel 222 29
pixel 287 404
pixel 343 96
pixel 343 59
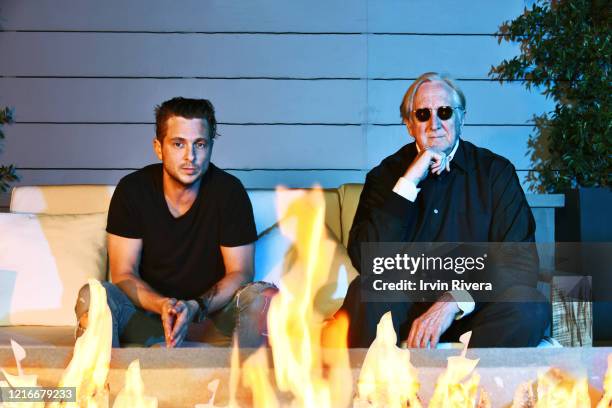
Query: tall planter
pixel 585 219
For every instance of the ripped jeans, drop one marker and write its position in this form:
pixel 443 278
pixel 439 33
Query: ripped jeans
pixel 245 314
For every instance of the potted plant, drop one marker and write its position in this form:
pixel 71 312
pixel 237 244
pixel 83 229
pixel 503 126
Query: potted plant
pixel 7 173
pixel 565 50
pixel 566 47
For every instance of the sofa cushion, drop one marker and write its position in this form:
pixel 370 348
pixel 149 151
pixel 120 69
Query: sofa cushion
pixel 44 260
pixel 349 199
pixel 274 253
pixel 71 199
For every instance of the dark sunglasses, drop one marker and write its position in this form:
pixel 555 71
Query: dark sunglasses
pixel 443 112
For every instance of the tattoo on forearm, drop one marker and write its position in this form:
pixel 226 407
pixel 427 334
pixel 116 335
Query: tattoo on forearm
pixel 209 295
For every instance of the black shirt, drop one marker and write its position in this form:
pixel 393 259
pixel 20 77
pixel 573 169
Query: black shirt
pixel 181 257
pixel 479 200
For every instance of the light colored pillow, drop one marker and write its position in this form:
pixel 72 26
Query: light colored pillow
pixel 274 254
pixel 44 260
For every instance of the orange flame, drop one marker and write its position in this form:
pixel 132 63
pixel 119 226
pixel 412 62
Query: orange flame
pixel 294 327
pixel 606 400
pixel 19 380
pixel 255 374
pixel 450 391
pixel 234 374
pixel 310 375
pixel 555 389
pixel 387 377
pixel 88 369
pixel 89 366
pixel 133 396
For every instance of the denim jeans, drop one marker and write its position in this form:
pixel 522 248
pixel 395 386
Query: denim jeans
pixel 245 315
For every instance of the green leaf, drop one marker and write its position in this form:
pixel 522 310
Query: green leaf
pixel 8 173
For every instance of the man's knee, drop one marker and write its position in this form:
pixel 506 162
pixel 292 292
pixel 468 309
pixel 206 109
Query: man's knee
pixel 510 324
pixel 255 297
pixel 252 305
pixel 82 303
pixel 529 319
pixel 528 311
pixel 115 298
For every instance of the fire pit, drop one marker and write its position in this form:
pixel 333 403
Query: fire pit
pixel 180 377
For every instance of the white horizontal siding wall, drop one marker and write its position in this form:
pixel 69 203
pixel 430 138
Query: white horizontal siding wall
pixel 305 92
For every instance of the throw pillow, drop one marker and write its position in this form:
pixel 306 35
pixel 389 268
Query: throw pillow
pixel 44 260
pixel 274 254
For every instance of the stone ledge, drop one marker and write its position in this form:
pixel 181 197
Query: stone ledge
pixel 546 200
pixel 179 377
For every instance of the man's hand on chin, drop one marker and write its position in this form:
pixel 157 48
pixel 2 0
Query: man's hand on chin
pixel 427 160
pixel 428 327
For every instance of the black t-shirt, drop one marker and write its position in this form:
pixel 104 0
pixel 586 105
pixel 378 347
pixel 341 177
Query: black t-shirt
pixel 181 257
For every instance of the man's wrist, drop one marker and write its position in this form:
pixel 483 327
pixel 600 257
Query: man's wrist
pixel 465 302
pixel 161 303
pixel 451 303
pixel 194 309
pixel 409 176
pixel 456 310
pixel 406 188
pixel 202 309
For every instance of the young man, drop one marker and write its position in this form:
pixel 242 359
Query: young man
pixel 181 242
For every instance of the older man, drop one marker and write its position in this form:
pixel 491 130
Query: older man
pixel 444 189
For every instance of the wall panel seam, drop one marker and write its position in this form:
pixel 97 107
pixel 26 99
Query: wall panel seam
pixel 273 78
pixel 224 168
pixel 161 32
pixel 269 124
